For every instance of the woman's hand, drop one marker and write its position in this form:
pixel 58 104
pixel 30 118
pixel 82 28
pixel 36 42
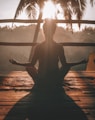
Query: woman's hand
pixel 12 61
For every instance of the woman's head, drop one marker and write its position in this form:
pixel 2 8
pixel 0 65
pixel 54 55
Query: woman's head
pixel 49 27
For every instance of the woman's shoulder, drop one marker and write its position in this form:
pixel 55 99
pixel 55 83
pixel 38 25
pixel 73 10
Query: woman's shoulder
pixel 59 45
pixel 39 45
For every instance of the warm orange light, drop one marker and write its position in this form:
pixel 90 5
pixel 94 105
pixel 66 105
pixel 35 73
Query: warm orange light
pixel 52 10
pixel 49 10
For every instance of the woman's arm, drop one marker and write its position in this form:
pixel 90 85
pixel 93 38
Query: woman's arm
pixel 81 62
pixel 62 56
pixel 18 63
pixel 63 59
pixel 28 64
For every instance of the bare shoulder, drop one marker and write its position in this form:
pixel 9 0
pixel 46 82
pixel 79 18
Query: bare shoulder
pixel 38 45
pixel 59 46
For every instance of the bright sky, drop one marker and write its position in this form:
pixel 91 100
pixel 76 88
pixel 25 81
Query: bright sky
pixel 8 8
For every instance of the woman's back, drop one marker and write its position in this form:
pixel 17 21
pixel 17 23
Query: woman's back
pixel 48 57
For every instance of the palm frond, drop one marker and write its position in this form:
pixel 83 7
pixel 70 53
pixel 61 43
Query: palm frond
pixel 77 6
pixel 27 4
pixel 74 6
pixel 31 11
pixel 20 7
pixel 92 2
pixel 71 7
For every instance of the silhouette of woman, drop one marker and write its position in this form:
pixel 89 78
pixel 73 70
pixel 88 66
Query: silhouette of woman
pixel 48 54
pixel 48 99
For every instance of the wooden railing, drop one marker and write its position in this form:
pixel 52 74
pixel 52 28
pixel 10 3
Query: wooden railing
pixel 32 44
pixel 57 21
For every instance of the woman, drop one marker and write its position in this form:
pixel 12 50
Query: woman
pixel 49 101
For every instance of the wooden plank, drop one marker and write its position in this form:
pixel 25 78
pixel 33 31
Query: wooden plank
pixel 57 21
pixel 33 44
pixel 79 88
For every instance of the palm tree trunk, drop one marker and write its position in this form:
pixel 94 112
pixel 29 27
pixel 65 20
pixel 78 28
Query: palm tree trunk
pixel 35 36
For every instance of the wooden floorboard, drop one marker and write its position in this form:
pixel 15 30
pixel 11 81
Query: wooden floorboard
pixel 79 86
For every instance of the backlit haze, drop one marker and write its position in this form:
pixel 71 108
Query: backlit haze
pixel 8 9
pixel 26 34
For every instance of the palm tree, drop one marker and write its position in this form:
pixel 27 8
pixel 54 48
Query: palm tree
pixel 77 6
pixel 30 8
pixel 69 7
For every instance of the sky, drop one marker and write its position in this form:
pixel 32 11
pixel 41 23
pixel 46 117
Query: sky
pixel 8 8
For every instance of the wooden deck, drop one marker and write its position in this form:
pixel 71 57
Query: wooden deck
pixel 15 92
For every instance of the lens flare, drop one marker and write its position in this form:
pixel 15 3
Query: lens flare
pixel 49 10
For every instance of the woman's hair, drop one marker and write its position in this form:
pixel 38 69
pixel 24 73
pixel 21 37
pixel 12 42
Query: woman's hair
pixel 49 25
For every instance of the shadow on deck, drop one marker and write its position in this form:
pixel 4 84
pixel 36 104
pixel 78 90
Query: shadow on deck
pixel 74 101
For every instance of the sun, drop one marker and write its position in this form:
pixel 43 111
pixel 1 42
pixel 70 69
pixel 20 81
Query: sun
pixel 52 10
pixel 49 10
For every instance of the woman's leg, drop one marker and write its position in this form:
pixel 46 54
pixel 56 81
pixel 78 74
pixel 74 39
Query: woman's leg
pixel 32 71
pixel 64 71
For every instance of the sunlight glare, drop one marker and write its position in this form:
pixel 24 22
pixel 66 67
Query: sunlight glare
pixel 49 10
